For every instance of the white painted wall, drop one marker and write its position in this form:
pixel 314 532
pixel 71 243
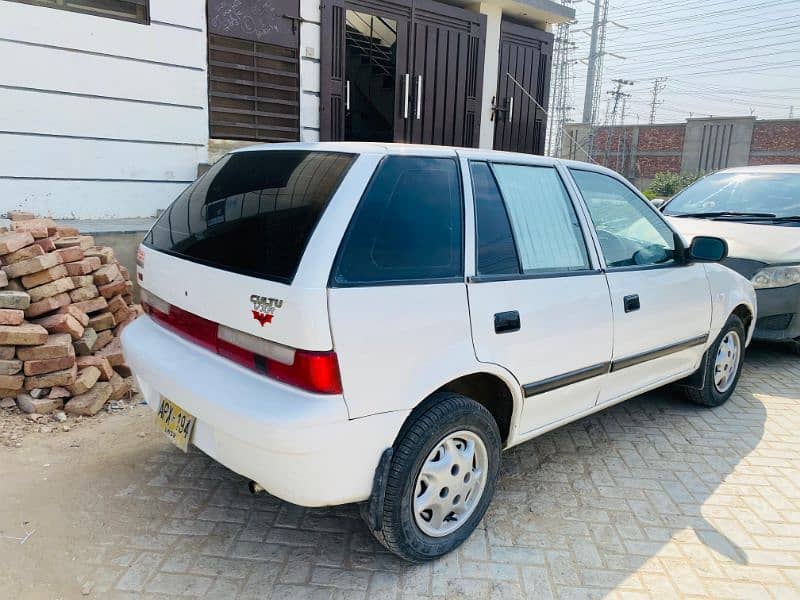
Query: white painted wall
pixel 100 118
pixel 310 46
pixel 494 17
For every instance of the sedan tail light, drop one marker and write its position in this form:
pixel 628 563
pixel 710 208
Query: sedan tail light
pixel 313 371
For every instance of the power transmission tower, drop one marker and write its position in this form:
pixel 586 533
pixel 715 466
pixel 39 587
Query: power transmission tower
pixel 618 95
pixel 594 75
pixel 658 86
pixel 561 99
pixel 791 112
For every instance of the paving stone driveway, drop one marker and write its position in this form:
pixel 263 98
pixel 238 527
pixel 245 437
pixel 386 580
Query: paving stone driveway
pixel 654 498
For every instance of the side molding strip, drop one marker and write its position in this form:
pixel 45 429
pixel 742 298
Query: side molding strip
pixel 552 383
pixel 637 359
pixel 546 385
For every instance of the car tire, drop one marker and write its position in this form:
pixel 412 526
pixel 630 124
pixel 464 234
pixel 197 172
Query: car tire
pixel 431 460
pixel 722 371
pixel 794 346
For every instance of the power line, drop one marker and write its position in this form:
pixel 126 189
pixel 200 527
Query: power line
pixel 719 34
pixel 750 68
pixel 718 13
pixel 689 64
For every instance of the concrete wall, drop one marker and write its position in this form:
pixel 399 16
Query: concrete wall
pixel 100 118
pixel 698 146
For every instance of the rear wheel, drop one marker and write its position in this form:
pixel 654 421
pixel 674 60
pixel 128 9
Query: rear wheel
pixel 794 346
pixel 441 478
pixel 723 366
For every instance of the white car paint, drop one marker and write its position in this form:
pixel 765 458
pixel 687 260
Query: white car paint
pixel 771 244
pixel 396 344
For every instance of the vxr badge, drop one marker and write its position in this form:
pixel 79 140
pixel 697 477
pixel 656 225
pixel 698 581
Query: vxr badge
pixel 264 308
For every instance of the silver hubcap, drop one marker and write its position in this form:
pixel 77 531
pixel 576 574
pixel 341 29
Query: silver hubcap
pixel 450 483
pixel 727 362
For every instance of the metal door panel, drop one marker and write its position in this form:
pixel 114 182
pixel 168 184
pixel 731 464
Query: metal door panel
pixel 675 307
pixel 448 53
pixel 439 47
pixel 525 55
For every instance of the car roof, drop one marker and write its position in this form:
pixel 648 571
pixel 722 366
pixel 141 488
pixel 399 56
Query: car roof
pixel 763 169
pixel 426 150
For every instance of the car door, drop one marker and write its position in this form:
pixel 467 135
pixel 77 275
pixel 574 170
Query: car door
pixel 661 303
pixel 397 298
pixel 539 303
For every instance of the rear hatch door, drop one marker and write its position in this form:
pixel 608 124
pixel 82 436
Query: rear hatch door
pixel 228 249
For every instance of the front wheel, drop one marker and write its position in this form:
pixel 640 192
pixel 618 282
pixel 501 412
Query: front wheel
pixel 794 346
pixel 723 365
pixel 441 479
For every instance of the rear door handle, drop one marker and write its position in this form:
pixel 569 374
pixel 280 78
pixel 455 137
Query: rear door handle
pixel 506 322
pixel 631 303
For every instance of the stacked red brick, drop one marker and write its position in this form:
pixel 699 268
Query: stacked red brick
pixel 63 303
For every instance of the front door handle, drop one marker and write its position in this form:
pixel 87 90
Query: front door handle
pixel 506 322
pixel 631 303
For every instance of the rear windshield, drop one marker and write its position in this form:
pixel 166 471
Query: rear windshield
pixel 252 212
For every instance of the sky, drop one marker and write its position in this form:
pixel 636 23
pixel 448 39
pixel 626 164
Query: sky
pixel 721 57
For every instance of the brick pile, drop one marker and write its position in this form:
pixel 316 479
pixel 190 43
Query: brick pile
pixel 63 303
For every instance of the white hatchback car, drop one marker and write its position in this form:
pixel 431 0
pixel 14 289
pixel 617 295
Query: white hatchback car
pixel 374 323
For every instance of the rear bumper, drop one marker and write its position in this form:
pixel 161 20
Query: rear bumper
pixel 778 314
pixel 300 447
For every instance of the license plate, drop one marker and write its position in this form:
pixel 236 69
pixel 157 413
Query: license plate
pixel 175 422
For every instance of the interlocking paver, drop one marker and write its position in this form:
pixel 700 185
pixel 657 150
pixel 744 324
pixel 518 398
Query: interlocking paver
pixel 653 498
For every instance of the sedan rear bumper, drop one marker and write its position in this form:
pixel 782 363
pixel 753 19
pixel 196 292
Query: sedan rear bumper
pixel 299 446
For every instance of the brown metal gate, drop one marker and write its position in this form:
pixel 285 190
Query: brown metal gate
pixel 253 70
pixel 525 55
pixel 439 70
pixel 447 58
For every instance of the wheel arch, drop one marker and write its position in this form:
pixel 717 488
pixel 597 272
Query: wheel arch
pixel 490 386
pixel 747 315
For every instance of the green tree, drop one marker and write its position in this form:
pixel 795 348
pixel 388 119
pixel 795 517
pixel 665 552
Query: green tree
pixel 666 185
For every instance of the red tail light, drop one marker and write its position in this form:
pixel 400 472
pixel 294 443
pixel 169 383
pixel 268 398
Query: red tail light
pixel 313 371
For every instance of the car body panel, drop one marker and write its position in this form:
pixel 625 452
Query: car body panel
pixel 397 344
pixel 675 308
pixel 302 447
pixel 772 244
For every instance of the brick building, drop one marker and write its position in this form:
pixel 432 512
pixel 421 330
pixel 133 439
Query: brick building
pixel 696 146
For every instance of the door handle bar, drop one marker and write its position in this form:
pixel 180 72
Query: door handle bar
pixel 406 81
pixel 347 95
pixel 419 97
pixel 510 108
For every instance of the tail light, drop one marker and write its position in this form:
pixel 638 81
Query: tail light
pixel 313 371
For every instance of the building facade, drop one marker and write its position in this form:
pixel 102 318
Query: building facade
pixel 109 107
pixel 697 146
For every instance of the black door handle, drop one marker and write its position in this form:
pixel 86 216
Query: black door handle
pixel 631 303
pixel 506 322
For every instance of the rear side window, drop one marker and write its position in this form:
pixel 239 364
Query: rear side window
pixel 252 212
pixel 543 220
pixel 496 253
pixel 408 226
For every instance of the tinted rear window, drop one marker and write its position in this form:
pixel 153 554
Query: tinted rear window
pixel 252 212
pixel 408 225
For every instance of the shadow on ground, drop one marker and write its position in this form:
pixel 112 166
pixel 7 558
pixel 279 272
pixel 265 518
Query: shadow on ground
pixel 654 496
